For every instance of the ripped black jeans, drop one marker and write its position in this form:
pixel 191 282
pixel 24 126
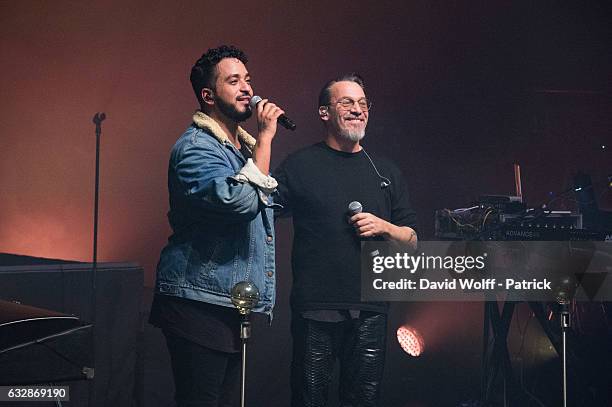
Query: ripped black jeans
pixel 358 343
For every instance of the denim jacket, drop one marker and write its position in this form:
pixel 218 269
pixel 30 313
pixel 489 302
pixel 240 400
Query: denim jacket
pixel 221 215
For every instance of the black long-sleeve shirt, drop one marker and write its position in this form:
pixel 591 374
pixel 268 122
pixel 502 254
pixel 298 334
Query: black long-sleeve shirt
pixel 316 185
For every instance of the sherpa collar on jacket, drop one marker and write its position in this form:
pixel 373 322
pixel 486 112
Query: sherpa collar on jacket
pixel 205 122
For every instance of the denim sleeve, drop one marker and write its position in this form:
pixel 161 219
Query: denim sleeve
pixel 265 184
pixel 208 181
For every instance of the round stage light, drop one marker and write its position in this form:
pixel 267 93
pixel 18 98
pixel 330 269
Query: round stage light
pixel 410 340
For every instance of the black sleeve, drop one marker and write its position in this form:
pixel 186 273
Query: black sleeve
pixel 282 195
pixel 402 213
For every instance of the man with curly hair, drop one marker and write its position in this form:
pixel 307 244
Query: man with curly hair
pixel 316 186
pixel 222 221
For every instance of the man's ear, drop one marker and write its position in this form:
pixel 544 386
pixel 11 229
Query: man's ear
pixel 323 112
pixel 208 96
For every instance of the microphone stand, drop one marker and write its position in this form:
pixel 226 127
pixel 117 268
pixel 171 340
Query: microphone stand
pixel 565 292
pixel 565 325
pixel 245 334
pixel 97 120
pixel 245 295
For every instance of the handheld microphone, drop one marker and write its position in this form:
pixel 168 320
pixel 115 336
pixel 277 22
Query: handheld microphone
pixel 354 208
pixel 282 119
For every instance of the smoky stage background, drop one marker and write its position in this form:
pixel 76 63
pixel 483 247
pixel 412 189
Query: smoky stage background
pixel 461 91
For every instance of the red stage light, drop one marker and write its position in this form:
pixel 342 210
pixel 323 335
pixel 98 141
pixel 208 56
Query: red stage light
pixel 410 340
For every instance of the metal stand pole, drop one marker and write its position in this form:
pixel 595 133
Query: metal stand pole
pixel 245 334
pixel 97 119
pixel 565 325
pixel 245 295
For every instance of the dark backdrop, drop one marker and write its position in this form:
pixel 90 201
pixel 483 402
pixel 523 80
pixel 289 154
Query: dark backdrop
pixel 461 91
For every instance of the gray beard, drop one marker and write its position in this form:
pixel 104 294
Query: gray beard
pixel 354 136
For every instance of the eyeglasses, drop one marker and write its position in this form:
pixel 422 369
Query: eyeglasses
pixel 347 103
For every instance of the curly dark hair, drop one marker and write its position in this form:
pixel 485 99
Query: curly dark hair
pixel 203 71
pixel 324 95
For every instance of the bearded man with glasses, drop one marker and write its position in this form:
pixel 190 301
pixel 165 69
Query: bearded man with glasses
pixel 315 187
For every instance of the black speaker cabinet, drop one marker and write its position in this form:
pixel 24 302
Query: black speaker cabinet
pixel 66 289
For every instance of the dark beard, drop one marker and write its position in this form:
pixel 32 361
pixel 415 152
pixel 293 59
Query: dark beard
pixel 231 112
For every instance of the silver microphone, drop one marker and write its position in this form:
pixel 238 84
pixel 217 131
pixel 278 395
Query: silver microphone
pixel 282 119
pixel 245 296
pixel 354 208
